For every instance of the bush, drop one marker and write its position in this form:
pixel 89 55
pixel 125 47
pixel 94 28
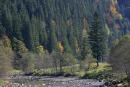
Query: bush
pixel 27 62
pixel 120 57
pixel 6 55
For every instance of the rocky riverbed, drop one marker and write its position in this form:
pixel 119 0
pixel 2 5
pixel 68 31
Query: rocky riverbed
pixel 52 82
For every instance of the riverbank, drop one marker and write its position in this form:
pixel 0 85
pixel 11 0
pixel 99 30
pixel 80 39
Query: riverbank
pixel 31 81
pixel 51 81
pixel 94 77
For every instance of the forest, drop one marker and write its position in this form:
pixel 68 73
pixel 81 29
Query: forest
pixel 88 39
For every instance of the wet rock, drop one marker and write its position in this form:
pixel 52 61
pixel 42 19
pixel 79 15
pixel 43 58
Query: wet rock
pixel 120 85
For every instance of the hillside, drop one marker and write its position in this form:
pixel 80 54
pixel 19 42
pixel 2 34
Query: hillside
pixel 46 22
pixel 81 38
pixel 124 6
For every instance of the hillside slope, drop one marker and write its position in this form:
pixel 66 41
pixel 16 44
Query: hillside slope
pixel 52 22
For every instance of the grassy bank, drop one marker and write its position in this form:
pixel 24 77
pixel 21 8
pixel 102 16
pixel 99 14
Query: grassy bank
pixel 3 82
pixel 93 71
pixel 70 70
pixel 103 72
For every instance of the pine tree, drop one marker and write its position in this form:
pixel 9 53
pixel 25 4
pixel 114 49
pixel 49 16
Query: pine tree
pixel 85 48
pixel 98 38
pixel 53 37
pixel 6 19
pixel 34 35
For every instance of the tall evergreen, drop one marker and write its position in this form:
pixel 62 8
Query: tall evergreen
pixel 53 38
pixel 98 38
pixel 34 35
pixel 85 48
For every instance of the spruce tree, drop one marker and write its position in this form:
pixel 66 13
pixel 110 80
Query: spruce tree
pixel 85 48
pixel 98 38
pixel 53 37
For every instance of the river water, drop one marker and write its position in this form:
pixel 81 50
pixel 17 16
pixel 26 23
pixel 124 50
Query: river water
pixel 30 81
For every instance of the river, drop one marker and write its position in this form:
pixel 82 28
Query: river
pixel 31 81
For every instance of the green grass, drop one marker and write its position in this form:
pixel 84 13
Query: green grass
pixel 50 71
pixel 3 82
pixel 94 71
pixel 75 70
pixel 80 73
pixel 16 71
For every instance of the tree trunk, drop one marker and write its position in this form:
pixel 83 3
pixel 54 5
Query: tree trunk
pixel 97 64
pixel 98 61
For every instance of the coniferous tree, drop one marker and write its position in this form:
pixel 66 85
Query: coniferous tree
pixel 6 19
pixel 53 37
pixel 33 33
pixel 85 49
pixel 98 38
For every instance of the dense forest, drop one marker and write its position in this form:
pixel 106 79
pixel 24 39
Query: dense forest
pixel 45 23
pixel 41 34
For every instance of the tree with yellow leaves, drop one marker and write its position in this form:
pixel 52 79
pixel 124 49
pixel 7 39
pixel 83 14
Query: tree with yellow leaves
pixel 6 55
